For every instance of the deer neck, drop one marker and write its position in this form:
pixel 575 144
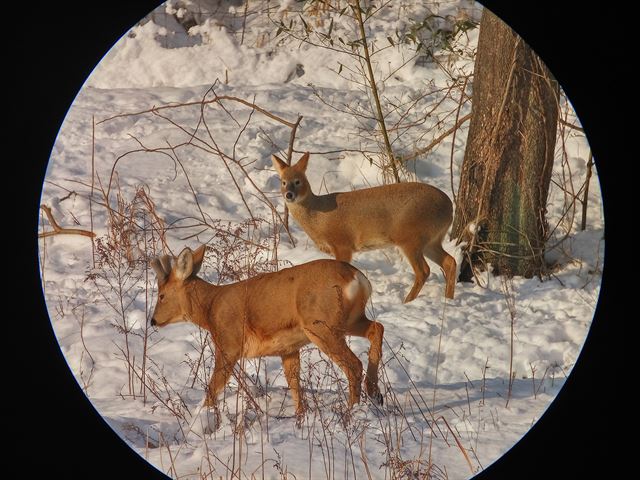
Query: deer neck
pixel 201 299
pixel 312 205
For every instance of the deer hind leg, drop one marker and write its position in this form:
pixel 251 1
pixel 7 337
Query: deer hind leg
pixel 331 342
pixel 374 332
pixel 343 254
pixel 291 365
pixel 420 269
pixel 447 263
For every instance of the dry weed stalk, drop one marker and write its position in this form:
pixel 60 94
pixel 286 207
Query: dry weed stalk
pixel 134 234
pixel 86 382
pixel 510 300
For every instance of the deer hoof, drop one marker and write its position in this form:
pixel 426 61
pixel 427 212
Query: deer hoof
pixel 206 422
pixel 410 297
pixel 373 392
pixel 377 398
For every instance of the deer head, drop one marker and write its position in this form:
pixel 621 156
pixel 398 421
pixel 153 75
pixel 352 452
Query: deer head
pixel 174 275
pixel 294 184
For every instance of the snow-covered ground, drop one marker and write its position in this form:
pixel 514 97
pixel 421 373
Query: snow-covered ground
pixel 448 408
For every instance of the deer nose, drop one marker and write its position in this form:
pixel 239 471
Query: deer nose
pixel 289 195
pixel 153 322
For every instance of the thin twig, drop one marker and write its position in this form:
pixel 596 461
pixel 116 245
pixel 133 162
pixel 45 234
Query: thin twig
pixel 585 198
pixel 216 99
pixel 292 138
pixel 453 140
pixel 570 125
pixel 436 141
pixel 93 169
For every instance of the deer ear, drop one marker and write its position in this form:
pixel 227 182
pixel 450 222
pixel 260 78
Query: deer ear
pixel 165 263
pixel 278 164
pixel 303 162
pixel 198 257
pixel 157 266
pixel 184 264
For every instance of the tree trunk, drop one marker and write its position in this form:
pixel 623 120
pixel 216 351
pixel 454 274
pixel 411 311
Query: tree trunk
pixel 506 172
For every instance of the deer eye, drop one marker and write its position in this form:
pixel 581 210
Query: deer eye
pixel 284 183
pixel 297 182
pixel 161 297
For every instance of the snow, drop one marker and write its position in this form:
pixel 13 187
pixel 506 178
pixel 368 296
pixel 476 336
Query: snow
pixel 446 362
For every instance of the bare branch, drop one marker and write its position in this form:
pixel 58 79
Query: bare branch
pixel 58 230
pixel 570 125
pixel 216 99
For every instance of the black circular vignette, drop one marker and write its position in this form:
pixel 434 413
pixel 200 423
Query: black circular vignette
pixel 60 434
pixel 576 437
pixel 59 431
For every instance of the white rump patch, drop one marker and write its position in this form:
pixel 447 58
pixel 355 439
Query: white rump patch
pixel 358 284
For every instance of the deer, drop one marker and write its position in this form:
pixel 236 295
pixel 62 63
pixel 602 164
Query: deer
pixel 273 314
pixel 412 216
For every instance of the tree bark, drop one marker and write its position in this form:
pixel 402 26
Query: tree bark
pixel 506 172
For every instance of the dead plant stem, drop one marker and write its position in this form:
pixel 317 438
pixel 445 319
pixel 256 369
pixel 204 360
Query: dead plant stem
pixel 585 197
pixel 374 90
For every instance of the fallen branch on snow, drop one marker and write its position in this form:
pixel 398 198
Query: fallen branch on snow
pixel 58 230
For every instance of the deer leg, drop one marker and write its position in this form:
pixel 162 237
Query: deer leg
pixel 342 254
pixel 291 365
pixel 447 263
pixel 420 269
pixel 372 331
pixel 216 385
pixel 335 347
pixel 221 373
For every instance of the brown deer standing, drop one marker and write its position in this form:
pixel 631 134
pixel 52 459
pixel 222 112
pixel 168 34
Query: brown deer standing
pixel 414 216
pixel 274 314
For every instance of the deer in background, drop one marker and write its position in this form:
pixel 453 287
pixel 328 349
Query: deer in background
pixel 274 314
pixel 413 216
